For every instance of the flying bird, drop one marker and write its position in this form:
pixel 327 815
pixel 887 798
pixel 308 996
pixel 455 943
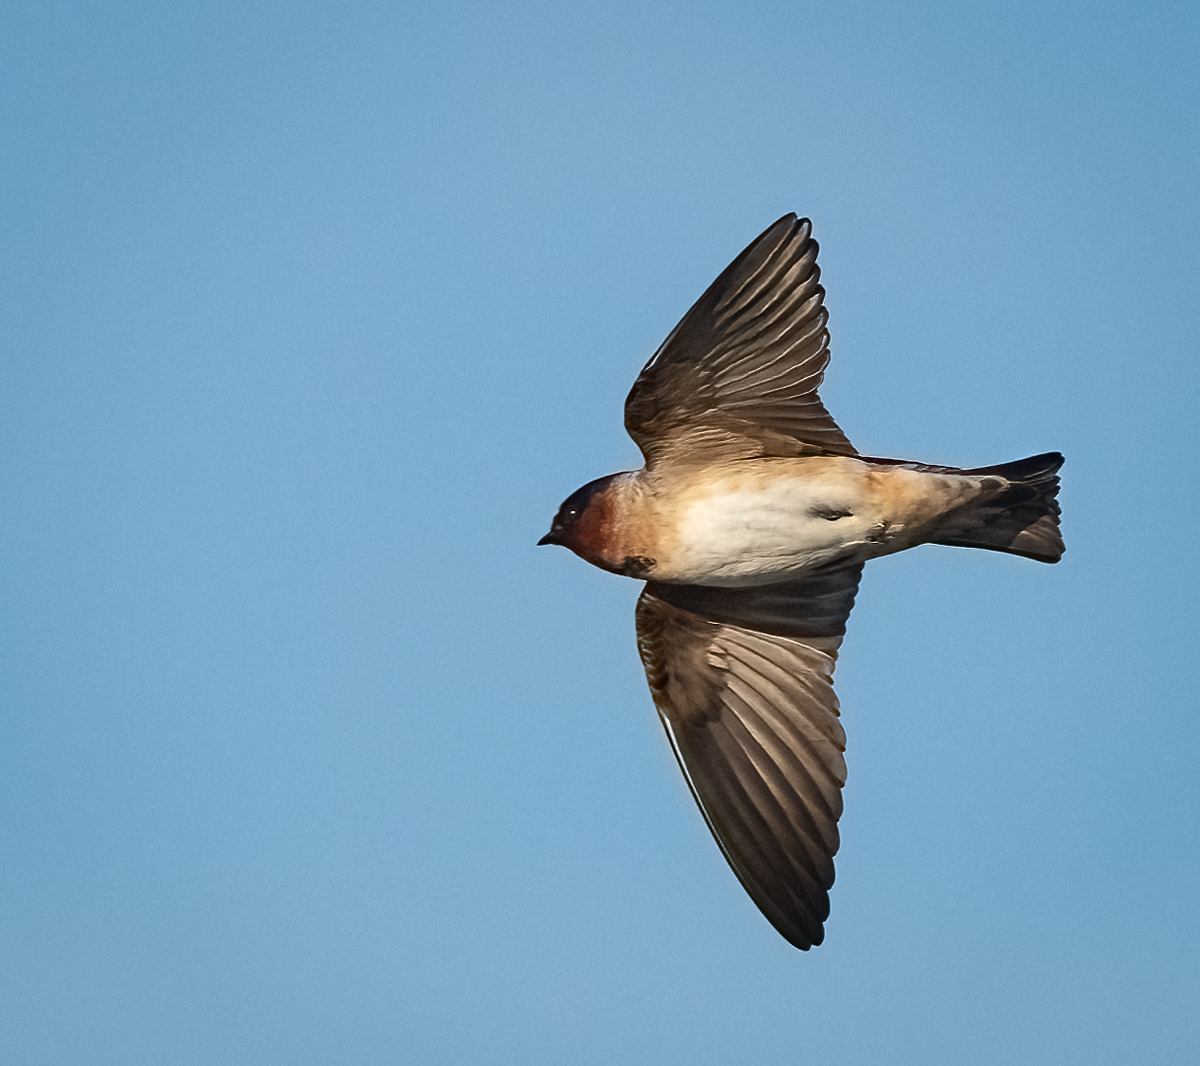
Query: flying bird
pixel 750 524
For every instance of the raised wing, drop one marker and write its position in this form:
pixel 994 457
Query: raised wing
pixel 743 683
pixel 738 376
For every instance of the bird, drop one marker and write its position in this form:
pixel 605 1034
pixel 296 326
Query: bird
pixel 750 524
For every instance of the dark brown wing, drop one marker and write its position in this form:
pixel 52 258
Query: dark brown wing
pixel 739 375
pixel 743 683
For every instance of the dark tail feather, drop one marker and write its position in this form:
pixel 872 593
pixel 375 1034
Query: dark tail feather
pixel 1022 519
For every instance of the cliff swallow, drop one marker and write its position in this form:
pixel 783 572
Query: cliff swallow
pixel 750 524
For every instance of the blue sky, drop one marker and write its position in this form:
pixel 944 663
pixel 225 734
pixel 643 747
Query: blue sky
pixel 317 311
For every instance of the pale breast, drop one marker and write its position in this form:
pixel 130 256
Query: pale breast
pixel 769 520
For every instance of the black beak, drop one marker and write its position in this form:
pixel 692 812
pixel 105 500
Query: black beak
pixel 549 538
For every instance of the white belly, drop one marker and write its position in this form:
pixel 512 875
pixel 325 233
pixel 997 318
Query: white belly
pixel 754 531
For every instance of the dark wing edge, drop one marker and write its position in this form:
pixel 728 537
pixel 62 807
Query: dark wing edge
pixel 753 721
pixel 740 371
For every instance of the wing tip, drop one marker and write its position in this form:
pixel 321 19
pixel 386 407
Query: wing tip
pixel 787 227
pixel 802 941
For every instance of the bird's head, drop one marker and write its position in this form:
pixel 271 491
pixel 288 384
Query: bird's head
pixel 585 523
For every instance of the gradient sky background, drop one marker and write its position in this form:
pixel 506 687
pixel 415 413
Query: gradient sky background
pixel 314 313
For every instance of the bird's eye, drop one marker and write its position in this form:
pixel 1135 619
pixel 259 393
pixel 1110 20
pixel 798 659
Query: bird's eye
pixel 831 514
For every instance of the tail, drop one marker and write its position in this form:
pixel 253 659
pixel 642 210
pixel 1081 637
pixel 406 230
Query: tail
pixel 1021 519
